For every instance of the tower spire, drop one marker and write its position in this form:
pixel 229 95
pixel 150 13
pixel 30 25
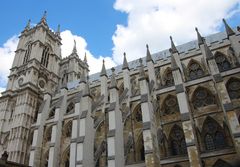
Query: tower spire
pixel 173 47
pixel 125 63
pixel 44 18
pixel 58 30
pixel 103 71
pixel 229 30
pixel 74 51
pixel 28 25
pixel 85 57
pixel 149 57
pixel 200 38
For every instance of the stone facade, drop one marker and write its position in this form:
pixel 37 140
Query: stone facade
pixel 176 108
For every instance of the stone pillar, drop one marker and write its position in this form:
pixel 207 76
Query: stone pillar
pixel 73 144
pixel 223 96
pixel 151 159
pixel 226 104
pixel 115 133
pixel 75 132
pixel 85 140
pixel 189 132
pixel 54 150
pixel 35 154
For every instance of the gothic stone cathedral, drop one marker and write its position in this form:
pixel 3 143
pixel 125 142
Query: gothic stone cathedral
pixel 175 108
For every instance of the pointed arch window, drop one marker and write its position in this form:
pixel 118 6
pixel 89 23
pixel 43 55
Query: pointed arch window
pixel 168 78
pixel 221 163
pixel 222 62
pixel 214 136
pixel 170 105
pixel 202 97
pixel 195 70
pixel 233 88
pixel 177 141
pixel 27 53
pixel 45 56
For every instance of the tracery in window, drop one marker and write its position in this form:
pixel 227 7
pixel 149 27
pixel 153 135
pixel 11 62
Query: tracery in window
pixel 202 97
pixel 170 105
pixel 177 143
pixel 195 70
pixel 233 88
pixel 222 62
pixel 168 77
pixel 213 135
pixel 27 53
pixel 45 56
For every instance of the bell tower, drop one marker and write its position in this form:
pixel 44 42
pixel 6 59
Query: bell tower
pixel 36 63
pixel 35 71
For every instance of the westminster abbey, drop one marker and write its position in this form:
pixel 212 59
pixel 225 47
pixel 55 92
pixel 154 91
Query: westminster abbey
pixel 176 108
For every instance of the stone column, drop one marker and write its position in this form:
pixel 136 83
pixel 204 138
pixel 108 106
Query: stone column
pixel 220 86
pixel 54 150
pixel 189 132
pixel 85 140
pixel 115 133
pixel 73 144
pixel 226 104
pixel 75 130
pixel 151 159
pixel 36 149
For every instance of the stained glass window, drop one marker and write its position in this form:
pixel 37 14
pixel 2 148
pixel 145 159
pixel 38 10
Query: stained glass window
pixel 233 88
pixel 222 62
pixel 214 137
pixel 202 98
pixel 170 105
pixel 177 141
pixel 195 71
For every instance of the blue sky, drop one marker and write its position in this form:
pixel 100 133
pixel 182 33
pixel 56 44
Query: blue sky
pixel 95 20
pixel 104 29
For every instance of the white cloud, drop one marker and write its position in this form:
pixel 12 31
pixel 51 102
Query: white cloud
pixel 6 59
pixel 95 63
pixel 153 21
